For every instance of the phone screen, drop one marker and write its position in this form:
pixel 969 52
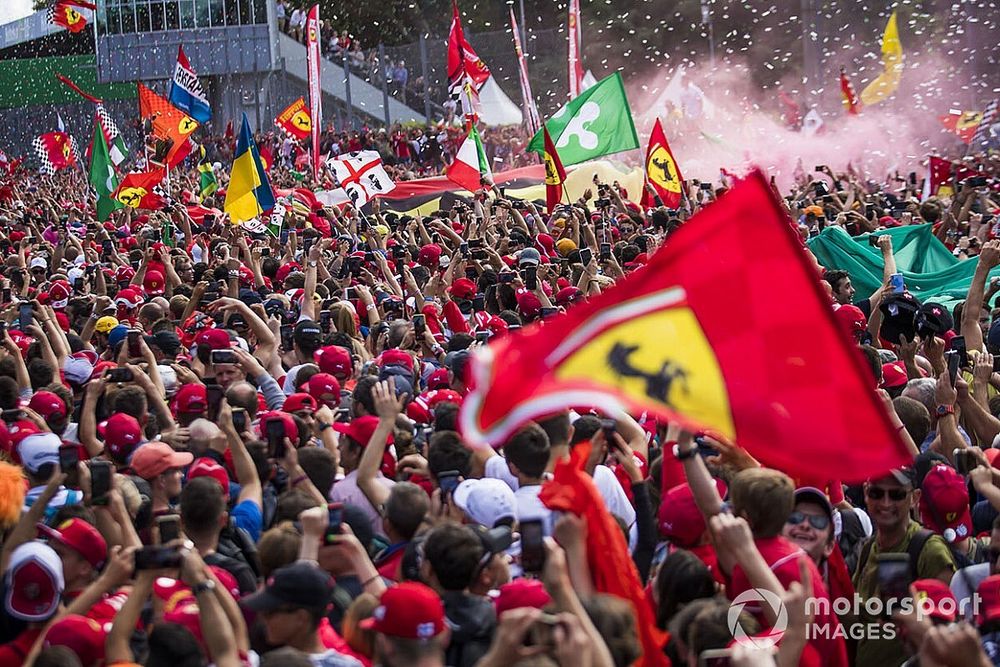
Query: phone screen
pixel 419 322
pixel 275 432
pixel 213 395
pixel 157 558
pixel 170 528
pixel 335 518
pixel 25 316
pixel 69 457
pixel 532 545
pixel 133 345
pixel 531 277
pixel 586 256
pixel 448 481
pixel 100 481
pixel 894 577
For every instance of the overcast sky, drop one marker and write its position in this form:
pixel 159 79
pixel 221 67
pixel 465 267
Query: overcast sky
pixel 13 9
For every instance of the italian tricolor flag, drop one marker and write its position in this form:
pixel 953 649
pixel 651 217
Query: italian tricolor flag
pixel 471 165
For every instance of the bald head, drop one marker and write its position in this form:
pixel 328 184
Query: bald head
pixel 203 434
pixel 243 395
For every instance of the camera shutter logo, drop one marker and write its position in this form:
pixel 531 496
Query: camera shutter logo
pixel 757 597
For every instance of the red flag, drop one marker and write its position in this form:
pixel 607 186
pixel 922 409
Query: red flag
pixel 851 99
pixel 76 89
pixel 555 175
pixel 938 174
pixel 168 124
pixel 662 171
pixel 792 114
pixel 571 489
pixel 315 92
pixel 55 151
pixel 266 158
pixel 575 65
pixel 752 370
pixel 64 13
pixel 463 63
pixel 964 124
pixel 136 190
pixel 294 120
pixel 229 131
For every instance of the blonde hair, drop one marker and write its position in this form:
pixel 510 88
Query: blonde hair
pixel 765 497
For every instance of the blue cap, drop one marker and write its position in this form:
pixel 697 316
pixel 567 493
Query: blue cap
pixel 117 335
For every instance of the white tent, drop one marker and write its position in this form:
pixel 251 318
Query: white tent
pixel 690 100
pixel 589 80
pixel 495 107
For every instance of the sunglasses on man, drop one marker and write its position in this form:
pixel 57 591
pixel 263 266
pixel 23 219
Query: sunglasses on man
pixel 878 493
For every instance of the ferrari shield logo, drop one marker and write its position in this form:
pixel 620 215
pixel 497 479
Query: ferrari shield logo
pixel 301 120
pixel 624 348
pixel 662 170
pixel 132 196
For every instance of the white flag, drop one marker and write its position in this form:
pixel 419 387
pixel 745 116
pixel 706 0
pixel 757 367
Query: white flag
pixel 361 177
pixel 811 123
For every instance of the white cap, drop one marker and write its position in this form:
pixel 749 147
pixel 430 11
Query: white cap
pixel 38 263
pixel 486 501
pixel 29 596
pixel 38 449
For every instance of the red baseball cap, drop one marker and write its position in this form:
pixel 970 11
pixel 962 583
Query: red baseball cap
pixel 299 401
pixel 529 305
pixel 323 384
pixel 152 283
pixel 121 433
pixel 47 404
pixel 893 374
pixel 463 288
pixel 944 504
pixel 83 636
pixel 409 611
pixel 81 537
pixel 206 467
pixel 155 458
pixel 395 357
pixel 989 599
pixel 568 295
pixel 360 429
pixel 851 319
pixel 439 379
pixel 680 520
pixel 335 360
pixel 191 399
pixel 940 601
pixel 521 593
pixel 213 339
pixel 429 255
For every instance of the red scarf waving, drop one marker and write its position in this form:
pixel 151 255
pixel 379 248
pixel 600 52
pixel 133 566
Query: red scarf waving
pixel 572 490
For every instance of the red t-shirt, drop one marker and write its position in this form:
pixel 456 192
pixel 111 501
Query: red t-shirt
pixel 782 557
pixel 14 652
pixel 390 567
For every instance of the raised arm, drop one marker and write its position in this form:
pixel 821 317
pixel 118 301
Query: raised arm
pixel 387 406
pixel 988 259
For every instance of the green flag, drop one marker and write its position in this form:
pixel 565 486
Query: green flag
pixel 596 123
pixel 103 178
pixel 208 184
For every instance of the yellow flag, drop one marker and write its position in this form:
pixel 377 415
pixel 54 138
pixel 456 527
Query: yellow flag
pixel 885 84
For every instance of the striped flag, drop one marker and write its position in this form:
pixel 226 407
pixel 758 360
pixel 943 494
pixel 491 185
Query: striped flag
pixel 982 135
pixel 471 167
pixel 117 149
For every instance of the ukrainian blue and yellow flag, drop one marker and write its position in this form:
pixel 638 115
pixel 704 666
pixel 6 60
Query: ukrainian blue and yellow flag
pixel 249 194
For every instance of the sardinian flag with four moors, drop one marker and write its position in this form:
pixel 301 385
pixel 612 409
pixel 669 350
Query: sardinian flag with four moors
pixel 361 176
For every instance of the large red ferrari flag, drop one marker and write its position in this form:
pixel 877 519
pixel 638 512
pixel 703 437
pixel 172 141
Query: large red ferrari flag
pixel 697 335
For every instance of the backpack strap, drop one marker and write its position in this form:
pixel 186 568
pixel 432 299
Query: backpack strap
pixel 915 548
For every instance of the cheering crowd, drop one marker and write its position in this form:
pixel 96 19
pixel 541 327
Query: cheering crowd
pixel 219 448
